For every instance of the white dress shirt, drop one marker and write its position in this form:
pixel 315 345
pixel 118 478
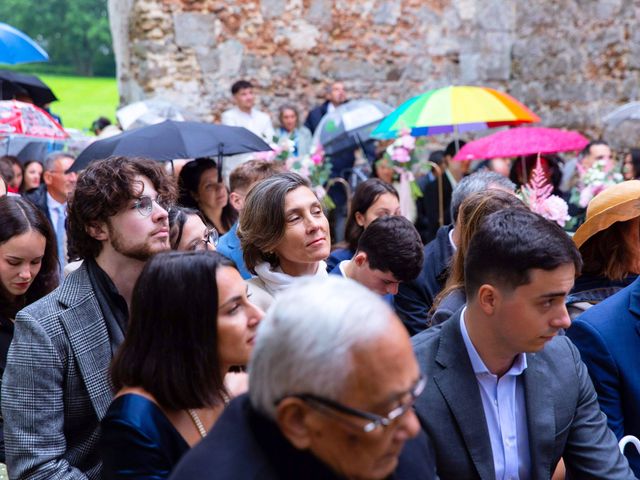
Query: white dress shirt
pixel 505 410
pixel 56 209
pixel 258 122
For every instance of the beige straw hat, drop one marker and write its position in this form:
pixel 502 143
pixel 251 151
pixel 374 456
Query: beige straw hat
pixel 618 203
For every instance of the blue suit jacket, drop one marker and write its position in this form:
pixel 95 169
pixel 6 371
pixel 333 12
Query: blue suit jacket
pixel 229 246
pixel 608 337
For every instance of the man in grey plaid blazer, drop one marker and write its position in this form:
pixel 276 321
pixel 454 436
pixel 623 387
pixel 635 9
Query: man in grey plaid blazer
pixel 56 388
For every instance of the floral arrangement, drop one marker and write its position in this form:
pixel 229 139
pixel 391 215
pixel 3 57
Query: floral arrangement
pixel 405 162
pixel 537 195
pixel 593 180
pixel 281 149
pixel 317 169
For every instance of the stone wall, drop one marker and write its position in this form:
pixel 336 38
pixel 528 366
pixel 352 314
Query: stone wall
pixel 571 61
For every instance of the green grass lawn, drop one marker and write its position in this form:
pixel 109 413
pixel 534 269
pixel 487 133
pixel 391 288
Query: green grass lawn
pixel 82 99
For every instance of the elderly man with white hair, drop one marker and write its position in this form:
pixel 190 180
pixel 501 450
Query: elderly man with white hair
pixel 332 382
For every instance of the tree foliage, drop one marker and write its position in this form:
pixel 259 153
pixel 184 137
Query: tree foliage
pixel 73 32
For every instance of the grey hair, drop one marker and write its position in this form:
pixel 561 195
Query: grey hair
pixel 305 342
pixel 474 183
pixel 50 160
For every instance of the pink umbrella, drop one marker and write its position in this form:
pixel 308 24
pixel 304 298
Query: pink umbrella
pixel 522 141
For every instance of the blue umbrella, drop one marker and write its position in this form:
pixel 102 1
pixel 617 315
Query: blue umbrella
pixel 16 47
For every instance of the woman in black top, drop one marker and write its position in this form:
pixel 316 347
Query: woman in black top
pixel 28 266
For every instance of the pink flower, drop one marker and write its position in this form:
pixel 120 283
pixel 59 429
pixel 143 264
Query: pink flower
pixel 317 158
pixel 408 142
pixel 400 155
pixel 320 192
pixel 304 170
pixel 555 209
pixel 266 156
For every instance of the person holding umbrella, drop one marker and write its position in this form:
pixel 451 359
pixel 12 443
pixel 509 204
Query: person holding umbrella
pixel 341 162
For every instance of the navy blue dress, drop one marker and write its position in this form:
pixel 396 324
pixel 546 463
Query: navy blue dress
pixel 138 441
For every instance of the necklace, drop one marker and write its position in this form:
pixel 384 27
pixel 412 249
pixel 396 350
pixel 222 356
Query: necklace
pixel 197 422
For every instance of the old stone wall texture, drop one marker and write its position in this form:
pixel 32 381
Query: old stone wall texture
pixel 570 61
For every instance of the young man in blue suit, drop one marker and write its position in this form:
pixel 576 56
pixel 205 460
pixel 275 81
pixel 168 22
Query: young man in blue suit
pixel 608 337
pixel 507 397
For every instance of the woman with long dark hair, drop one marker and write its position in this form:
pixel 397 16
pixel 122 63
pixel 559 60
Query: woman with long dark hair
pixel 631 166
pixel 32 177
pixel 190 322
pixel 28 265
pixel 200 189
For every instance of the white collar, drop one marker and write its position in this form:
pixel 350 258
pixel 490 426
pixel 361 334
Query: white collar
pixel 517 367
pixel 276 280
pixel 53 204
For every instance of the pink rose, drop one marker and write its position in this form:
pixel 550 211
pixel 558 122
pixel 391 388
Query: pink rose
pixel 400 155
pixel 555 209
pixel 408 142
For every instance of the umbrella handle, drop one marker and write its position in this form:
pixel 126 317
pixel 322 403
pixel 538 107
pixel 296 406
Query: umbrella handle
pixel 344 184
pixel 220 148
pixel 438 171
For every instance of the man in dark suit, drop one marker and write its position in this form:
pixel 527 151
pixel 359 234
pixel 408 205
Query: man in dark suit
pixel 327 399
pixel 335 96
pixel 415 298
pixel 608 337
pixel 55 388
pixel 507 397
pixel 341 162
pixel 52 195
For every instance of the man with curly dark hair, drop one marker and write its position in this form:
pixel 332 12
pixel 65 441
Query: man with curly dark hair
pixel 56 389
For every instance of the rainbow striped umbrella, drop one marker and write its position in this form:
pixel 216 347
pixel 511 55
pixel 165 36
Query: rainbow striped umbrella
pixel 454 109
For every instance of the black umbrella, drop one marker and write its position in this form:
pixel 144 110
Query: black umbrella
pixel 170 139
pixel 14 83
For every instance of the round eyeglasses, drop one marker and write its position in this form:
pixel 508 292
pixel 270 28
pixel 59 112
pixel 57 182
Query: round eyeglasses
pixel 144 205
pixel 373 421
pixel 210 238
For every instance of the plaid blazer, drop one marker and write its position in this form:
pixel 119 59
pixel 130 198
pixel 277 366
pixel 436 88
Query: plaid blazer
pixel 56 388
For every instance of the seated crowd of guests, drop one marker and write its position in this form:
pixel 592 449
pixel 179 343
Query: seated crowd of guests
pixel 177 328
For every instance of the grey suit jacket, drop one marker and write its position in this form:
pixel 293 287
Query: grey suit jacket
pixel 563 415
pixel 55 388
